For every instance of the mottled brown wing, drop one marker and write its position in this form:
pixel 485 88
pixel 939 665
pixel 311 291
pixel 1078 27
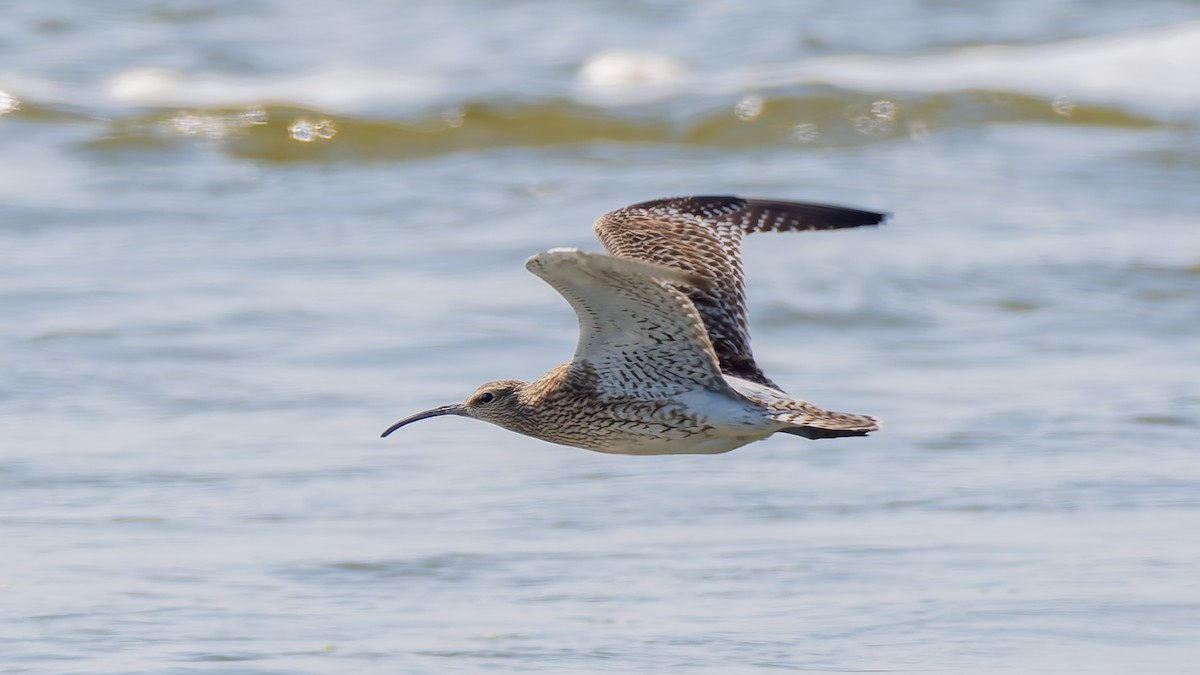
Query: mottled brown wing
pixel 703 235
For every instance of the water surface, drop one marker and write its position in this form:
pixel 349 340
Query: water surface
pixel 240 239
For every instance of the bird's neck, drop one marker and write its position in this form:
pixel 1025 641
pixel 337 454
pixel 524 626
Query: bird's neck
pixel 541 404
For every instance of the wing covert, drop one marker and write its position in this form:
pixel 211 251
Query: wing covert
pixel 703 235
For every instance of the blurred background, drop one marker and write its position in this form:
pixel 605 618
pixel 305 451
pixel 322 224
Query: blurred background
pixel 239 239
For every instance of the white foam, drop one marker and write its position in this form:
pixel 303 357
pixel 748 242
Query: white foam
pixel 1146 68
pixel 1160 66
pixel 329 90
pixel 626 76
pixel 629 67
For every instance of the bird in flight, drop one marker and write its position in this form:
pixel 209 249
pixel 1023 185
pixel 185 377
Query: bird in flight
pixel 663 362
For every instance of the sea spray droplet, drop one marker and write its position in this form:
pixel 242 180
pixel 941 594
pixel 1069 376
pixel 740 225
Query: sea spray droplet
pixel 254 117
pixel 216 126
pixel 1063 105
pixel 749 108
pixel 883 110
pixel 194 124
pixel 872 126
pixel 306 132
pixel 878 120
pixel 806 132
pixel 325 130
pixel 302 130
pixel 8 102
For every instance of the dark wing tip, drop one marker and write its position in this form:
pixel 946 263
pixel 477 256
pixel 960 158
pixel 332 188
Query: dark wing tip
pixel 758 214
pixel 774 214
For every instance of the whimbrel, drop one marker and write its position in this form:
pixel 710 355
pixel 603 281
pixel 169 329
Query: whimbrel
pixel 663 362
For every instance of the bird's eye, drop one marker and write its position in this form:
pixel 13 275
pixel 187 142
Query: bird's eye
pixel 487 397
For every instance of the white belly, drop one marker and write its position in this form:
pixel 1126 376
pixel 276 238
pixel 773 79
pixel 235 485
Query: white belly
pixel 697 444
pixel 714 423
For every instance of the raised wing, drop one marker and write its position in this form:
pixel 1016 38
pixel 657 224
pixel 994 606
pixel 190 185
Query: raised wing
pixel 641 335
pixel 703 235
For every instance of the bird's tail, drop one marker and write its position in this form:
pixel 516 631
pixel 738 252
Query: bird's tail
pixel 809 421
pixel 802 418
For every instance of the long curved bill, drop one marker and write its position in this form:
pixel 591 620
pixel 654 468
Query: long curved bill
pixel 452 409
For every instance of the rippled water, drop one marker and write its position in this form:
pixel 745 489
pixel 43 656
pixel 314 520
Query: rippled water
pixel 240 239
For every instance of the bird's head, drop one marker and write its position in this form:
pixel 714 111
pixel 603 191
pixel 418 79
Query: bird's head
pixel 496 402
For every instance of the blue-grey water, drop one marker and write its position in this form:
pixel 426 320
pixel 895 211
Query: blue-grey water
pixel 239 239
